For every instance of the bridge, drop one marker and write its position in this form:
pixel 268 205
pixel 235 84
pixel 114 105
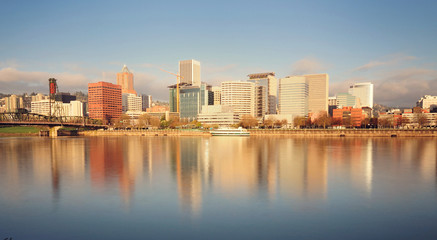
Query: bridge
pixel 32 119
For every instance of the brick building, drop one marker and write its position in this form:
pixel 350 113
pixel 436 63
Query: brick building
pixel 104 100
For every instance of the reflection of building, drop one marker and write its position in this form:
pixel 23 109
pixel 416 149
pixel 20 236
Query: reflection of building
pixel 303 168
pixel 189 167
pixel 104 100
pixel 126 80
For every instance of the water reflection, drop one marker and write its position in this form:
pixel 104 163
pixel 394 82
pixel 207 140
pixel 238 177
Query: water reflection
pixel 300 171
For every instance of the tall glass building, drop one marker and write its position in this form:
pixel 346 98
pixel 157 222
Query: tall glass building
pixel 191 98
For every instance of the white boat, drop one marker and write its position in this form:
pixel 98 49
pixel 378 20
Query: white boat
pixel 230 132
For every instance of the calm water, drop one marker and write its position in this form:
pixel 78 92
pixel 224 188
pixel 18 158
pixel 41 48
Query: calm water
pixel 218 188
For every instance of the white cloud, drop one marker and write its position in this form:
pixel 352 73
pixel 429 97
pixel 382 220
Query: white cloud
pixel 388 60
pixel 308 65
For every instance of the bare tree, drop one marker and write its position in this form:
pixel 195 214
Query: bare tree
pixel 144 120
pixel 248 121
pixel 323 120
pixel 421 119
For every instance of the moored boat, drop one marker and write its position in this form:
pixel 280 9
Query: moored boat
pixel 230 132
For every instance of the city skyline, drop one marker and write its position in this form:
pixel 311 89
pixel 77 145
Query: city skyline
pixel 80 43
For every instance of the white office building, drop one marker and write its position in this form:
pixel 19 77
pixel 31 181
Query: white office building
pixel 131 102
pixel 240 95
pixel 427 102
pixel 58 108
pixel 364 94
pixel 218 115
pixel 293 96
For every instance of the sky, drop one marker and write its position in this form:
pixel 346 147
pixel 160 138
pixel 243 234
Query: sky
pixel 389 43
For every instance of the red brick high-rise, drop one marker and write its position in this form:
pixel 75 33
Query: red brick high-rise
pixel 104 100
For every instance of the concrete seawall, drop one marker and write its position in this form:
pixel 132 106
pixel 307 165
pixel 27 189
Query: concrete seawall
pixel 284 133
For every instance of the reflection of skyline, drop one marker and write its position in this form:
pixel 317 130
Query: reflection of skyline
pixel 303 169
pixel 264 168
pixel 355 156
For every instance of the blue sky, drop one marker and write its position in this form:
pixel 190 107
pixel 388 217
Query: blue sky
pixel 390 43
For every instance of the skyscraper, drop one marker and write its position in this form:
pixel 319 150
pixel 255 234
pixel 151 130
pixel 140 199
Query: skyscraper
pixel 240 95
pixel 318 90
pixel 190 72
pixel 293 96
pixel 363 91
pixel 126 80
pixel 104 100
pixel 269 81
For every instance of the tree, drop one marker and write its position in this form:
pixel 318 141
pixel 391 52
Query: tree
pixel 268 123
pixel 323 120
pixel 299 122
pixel 365 123
pixel 421 119
pixel 144 120
pixel 248 121
pixel 155 122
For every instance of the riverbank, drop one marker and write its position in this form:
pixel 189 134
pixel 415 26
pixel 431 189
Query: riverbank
pixel 19 131
pixel 282 132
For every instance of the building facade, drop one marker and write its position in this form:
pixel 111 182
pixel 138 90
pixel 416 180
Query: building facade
pixel 126 80
pixel 104 100
pixel 218 115
pixel 58 108
pixel 318 92
pixel 189 71
pixel 240 95
pixel 346 100
pixel 427 102
pixel 191 98
pixel 131 102
pixel 13 103
pixel 269 81
pixel 293 96
pixel 147 101
pixel 364 93
pixel 217 92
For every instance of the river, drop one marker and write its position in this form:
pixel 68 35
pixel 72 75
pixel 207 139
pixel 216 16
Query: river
pixel 134 187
